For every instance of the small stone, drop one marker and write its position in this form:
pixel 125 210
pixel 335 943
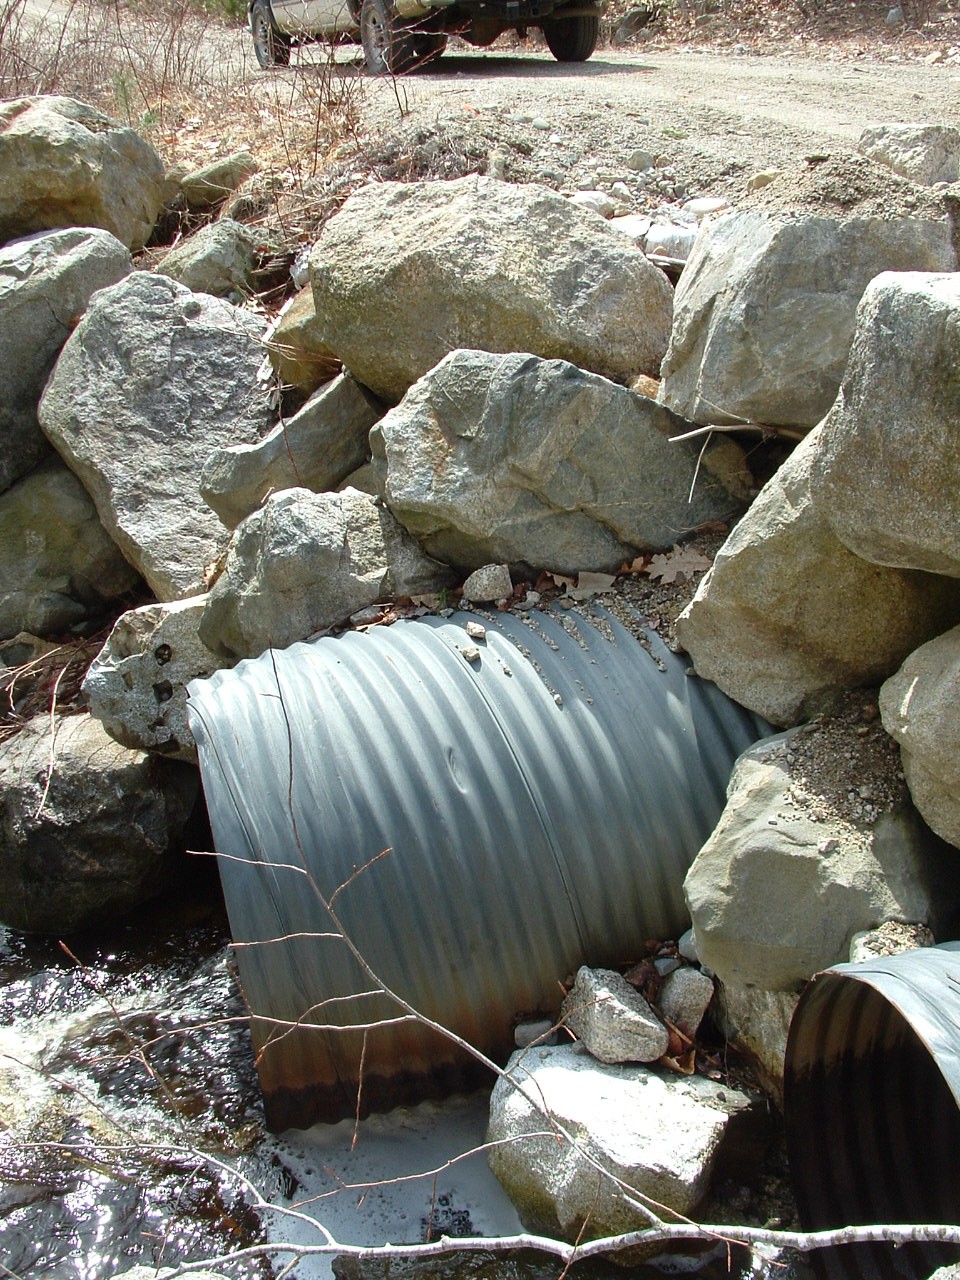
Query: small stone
pixel 665 965
pixel 489 582
pixel 470 653
pixel 704 205
pixel 539 123
pixel 621 191
pixel 687 947
pixel 598 201
pixel 539 1032
pixel 634 225
pixel 684 998
pixel 558 700
pixel 612 1019
pixel 889 939
pixel 639 161
pixel 763 178
pixel 476 630
pixel 894 17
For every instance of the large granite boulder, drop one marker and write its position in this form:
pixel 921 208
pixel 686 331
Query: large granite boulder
pixel 886 476
pixel 802 859
pixel 66 164
pixel 306 561
pixel 788 617
pixel 924 153
pixel 519 460
pixel 765 308
pixel 58 565
pixel 920 706
pixel 137 685
pixel 46 281
pixel 406 272
pixel 316 448
pixel 660 1135
pixel 88 829
pixel 151 381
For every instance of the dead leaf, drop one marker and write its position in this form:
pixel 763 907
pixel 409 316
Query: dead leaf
pixel 680 563
pixel 590 584
pixel 685 1064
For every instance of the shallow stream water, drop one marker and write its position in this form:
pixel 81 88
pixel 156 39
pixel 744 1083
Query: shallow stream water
pixel 129 1106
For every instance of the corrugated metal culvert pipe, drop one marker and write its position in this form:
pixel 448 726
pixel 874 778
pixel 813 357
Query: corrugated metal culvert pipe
pixel 872 1107
pixel 541 792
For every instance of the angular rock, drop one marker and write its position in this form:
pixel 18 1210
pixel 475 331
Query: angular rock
pixel 661 1136
pixel 757 1022
pixel 204 188
pixel 316 449
pixel 137 685
pixel 765 308
pixel 88 829
pixel 151 381
pixel 296 346
pixel 218 259
pixel 46 281
pixel 887 474
pixel 488 583
pixel 305 561
pixel 684 998
pixel 784 882
pixel 920 706
pixel 406 272
pixel 532 462
pixel 924 153
pixel 788 617
pixel 612 1019
pixel 66 164
pixel 58 565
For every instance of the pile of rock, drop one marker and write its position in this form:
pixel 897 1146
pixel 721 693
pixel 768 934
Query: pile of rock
pixel 489 337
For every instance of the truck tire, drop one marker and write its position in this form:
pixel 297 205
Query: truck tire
pixel 271 46
pixel 389 45
pixel 572 39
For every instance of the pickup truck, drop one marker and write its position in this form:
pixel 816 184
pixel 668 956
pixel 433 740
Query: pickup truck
pixel 398 35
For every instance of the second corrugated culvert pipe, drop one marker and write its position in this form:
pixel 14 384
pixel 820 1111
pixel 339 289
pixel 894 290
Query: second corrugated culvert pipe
pixel 540 790
pixel 872 1108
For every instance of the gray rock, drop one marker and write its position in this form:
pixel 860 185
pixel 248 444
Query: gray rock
pixel 788 617
pixel 534 462
pixel 489 583
pixel 219 258
pixel 756 1023
pixel 924 153
pixel 764 311
pixel 687 947
pixel 661 1136
pixel 317 449
pixel 597 201
pixel 46 281
pixel 65 164
pixel 639 160
pixel 305 561
pixel 612 1019
pixel 780 887
pixel 920 707
pixel 204 188
pixel 887 474
pixel 406 272
pixel 296 346
pixel 670 240
pixel 88 829
pixel 58 565
pixel 136 686
pixel 684 998
pixel 151 381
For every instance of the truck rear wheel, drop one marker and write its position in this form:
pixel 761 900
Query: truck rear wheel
pixel 271 46
pixel 572 39
pixel 389 44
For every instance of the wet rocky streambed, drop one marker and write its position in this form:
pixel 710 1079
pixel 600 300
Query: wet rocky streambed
pixel 129 1103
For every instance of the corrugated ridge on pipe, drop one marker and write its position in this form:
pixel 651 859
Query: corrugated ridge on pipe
pixel 541 805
